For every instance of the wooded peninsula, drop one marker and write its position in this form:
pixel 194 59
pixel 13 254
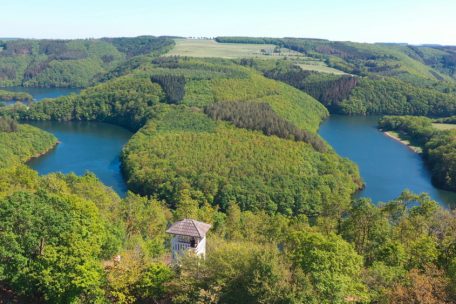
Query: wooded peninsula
pixel 230 141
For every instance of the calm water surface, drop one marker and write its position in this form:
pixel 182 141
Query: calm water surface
pixel 41 93
pixel 85 146
pixel 387 166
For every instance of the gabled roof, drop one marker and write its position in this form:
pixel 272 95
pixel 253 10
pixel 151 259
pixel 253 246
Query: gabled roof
pixel 189 227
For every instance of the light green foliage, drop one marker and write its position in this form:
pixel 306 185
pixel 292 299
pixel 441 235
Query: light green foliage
pixel 229 164
pixel 23 144
pixel 284 228
pixel 238 273
pixel 50 245
pixel 151 285
pixel 332 263
pixel 145 220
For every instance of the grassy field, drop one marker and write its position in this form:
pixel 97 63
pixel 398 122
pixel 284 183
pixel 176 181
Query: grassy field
pixel 211 48
pixel 319 66
pixel 443 126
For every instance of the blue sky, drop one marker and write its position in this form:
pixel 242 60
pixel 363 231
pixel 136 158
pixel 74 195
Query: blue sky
pixel 412 21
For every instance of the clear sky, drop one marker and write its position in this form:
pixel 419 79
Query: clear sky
pixel 412 21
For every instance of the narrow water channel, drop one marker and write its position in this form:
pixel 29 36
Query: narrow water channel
pixel 386 166
pixel 42 93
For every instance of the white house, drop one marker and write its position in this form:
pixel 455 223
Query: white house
pixel 188 234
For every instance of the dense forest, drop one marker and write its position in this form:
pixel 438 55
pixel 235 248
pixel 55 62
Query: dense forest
pixel 407 62
pixel 390 79
pixel 438 145
pixel 70 63
pixel 128 100
pixel 260 117
pixel 219 142
pixel 183 148
pixel 370 95
pixel 59 234
pixel 19 143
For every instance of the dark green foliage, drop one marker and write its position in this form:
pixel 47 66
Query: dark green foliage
pixel 71 63
pixel 249 40
pixel 260 117
pixel 418 129
pixel 8 125
pixel 329 89
pixel 59 50
pixel 401 79
pixel 141 45
pixel 369 95
pixel 18 47
pixel 393 96
pixel 126 101
pixel 448 120
pixel 125 68
pixel 173 86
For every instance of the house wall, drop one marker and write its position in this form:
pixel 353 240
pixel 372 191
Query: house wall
pixel 181 243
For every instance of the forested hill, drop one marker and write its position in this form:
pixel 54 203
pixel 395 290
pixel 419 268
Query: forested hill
pixel 70 63
pixel 228 133
pixel 380 79
pixel 404 61
pixel 128 100
pixel 218 142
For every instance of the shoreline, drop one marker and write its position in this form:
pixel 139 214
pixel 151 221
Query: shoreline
pixel 406 143
pixel 43 153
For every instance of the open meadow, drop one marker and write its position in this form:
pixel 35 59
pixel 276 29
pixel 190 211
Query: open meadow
pixel 211 48
pixel 444 126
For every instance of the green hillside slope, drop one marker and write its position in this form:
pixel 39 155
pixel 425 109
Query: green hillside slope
pixel 220 163
pixel 69 63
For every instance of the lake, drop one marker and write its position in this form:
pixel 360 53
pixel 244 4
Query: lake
pixel 386 166
pixel 41 93
pixel 85 146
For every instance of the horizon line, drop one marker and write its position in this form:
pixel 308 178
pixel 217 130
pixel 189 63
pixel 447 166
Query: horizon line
pixel 213 38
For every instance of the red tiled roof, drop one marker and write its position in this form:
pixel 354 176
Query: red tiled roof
pixel 189 227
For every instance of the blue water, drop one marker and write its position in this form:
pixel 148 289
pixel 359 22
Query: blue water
pixel 85 146
pixel 386 166
pixel 41 93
